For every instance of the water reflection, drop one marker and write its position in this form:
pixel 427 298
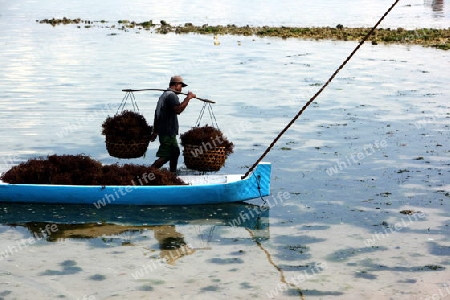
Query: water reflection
pixel 134 225
pixel 437 7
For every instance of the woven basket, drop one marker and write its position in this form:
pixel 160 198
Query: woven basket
pixel 122 148
pixel 200 159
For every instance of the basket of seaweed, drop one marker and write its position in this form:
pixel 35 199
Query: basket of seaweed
pixel 205 148
pixel 127 134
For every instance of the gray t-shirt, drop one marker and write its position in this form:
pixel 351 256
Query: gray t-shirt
pixel 165 116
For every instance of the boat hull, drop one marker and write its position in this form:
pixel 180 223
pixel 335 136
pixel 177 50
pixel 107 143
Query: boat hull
pixel 255 185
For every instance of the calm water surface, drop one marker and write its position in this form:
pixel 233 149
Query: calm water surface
pixel 373 146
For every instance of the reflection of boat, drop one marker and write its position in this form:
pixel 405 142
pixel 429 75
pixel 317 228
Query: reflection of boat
pixel 177 230
pixel 201 189
pixel 84 221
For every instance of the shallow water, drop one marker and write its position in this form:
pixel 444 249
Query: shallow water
pixel 375 143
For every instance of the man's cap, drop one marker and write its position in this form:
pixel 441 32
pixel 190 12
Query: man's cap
pixel 177 79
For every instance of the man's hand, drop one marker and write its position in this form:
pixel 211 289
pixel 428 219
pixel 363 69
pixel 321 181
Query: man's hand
pixel 190 95
pixel 153 136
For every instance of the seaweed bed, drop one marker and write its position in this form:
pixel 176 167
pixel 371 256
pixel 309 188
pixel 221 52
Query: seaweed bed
pixel 428 37
pixel 83 170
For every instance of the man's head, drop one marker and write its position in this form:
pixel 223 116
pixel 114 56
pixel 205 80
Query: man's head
pixel 177 83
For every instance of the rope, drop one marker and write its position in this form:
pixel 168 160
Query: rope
pixel 124 102
pixel 258 183
pixel 209 236
pixel 211 115
pixel 278 268
pixel 200 116
pixel 319 92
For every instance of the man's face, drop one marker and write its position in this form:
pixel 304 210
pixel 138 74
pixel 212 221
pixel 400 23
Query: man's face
pixel 178 87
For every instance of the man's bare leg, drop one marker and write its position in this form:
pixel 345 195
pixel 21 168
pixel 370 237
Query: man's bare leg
pixel 173 164
pixel 159 163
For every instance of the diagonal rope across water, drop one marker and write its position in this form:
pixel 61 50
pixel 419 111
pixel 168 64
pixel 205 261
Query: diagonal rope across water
pixel 319 92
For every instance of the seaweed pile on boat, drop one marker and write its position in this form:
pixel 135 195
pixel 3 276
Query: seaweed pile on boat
pixel 83 170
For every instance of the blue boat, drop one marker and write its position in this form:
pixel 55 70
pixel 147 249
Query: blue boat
pixel 200 189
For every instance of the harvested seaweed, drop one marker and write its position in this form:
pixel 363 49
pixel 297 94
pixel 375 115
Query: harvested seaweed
pixel 205 148
pixel 128 125
pixel 207 137
pixel 83 170
pixel 127 134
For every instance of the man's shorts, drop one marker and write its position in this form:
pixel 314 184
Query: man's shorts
pixel 168 147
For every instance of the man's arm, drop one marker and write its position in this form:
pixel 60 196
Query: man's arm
pixel 155 130
pixel 180 108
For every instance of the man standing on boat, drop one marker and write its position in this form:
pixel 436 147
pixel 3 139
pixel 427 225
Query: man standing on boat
pixel 165 124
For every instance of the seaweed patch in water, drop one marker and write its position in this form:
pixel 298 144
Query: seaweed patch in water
pixel 211 288
pixel 321 293
pixel 407 281
pixel 345 254
pixel 69 268
pixel 429 37
pixel 365 275
pixel 5 293
pixel 433 267
pixel 245 285
pixel 97 277
pixel 298 248
pixel 146 287
pixel 231 260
